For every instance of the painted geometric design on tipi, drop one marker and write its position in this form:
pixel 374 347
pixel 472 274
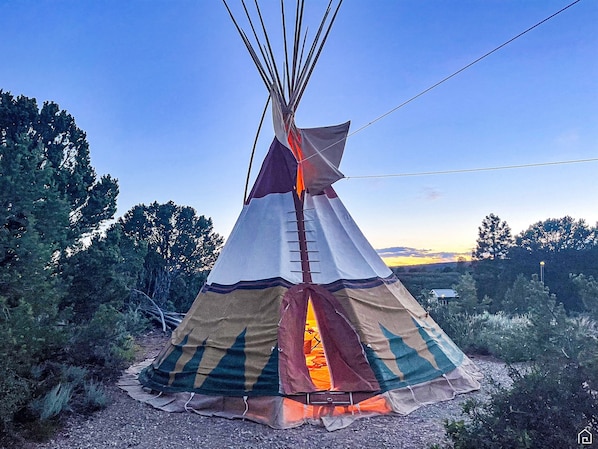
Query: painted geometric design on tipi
pixel 186 377
pixel 227 376
pixel 446 353
pixel 267 382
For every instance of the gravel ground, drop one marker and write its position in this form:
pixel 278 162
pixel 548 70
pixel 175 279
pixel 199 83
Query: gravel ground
pixel 126 423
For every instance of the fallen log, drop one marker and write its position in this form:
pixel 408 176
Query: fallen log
pixel 167 319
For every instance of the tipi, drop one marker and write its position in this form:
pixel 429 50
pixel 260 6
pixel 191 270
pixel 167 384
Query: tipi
pixel 300 320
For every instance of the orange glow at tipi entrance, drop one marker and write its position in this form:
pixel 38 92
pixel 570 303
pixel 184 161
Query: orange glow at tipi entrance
pixel 315 357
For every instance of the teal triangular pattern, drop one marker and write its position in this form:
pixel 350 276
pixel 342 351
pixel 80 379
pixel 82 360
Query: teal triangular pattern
pixel 228 377
pixel 414 367
pixel 448 356
pixel 169 363
pixel 160 376
pixel 268 381
pixel 185 379
pixel 385 377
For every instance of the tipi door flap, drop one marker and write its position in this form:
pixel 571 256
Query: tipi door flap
pixel 349 368
pixel 293 372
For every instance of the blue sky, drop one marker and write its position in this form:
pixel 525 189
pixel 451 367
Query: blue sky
pixel 170 102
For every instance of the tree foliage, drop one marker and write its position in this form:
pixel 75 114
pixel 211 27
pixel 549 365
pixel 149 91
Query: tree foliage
pixel 104 272
pixel 588 291
pixel 49 143
pixel 181 249
pixel 66 309
pixel 523 295
pixel 468 294
pixel 555 235
pixel 563 246
pixel 494 239
pixel 50 199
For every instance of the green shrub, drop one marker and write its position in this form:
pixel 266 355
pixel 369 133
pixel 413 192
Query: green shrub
pixel 134 321
pixel 43 375
pixel 27 341
pixel 15 393
pixel 499 335
pixel 94 397
pixel 545 408
pixel 74 375
pixel 54 402
pixel 103 345
pixel 553 397
pixel 506 337
pixel 463 328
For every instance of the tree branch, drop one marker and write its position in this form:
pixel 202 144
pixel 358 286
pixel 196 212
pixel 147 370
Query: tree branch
pixel 156 306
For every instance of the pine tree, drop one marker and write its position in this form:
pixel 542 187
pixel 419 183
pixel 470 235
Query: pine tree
pixel 494 239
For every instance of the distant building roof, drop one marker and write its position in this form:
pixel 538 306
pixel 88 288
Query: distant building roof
pixel 444 293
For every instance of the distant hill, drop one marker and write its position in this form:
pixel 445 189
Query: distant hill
pixel 419 279
pixel 439 266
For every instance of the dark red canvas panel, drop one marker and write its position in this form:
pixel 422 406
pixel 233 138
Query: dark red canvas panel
pixel 278 173
pixel 293 372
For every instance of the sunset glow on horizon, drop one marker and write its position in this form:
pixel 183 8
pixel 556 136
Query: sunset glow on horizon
pixel 406 261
